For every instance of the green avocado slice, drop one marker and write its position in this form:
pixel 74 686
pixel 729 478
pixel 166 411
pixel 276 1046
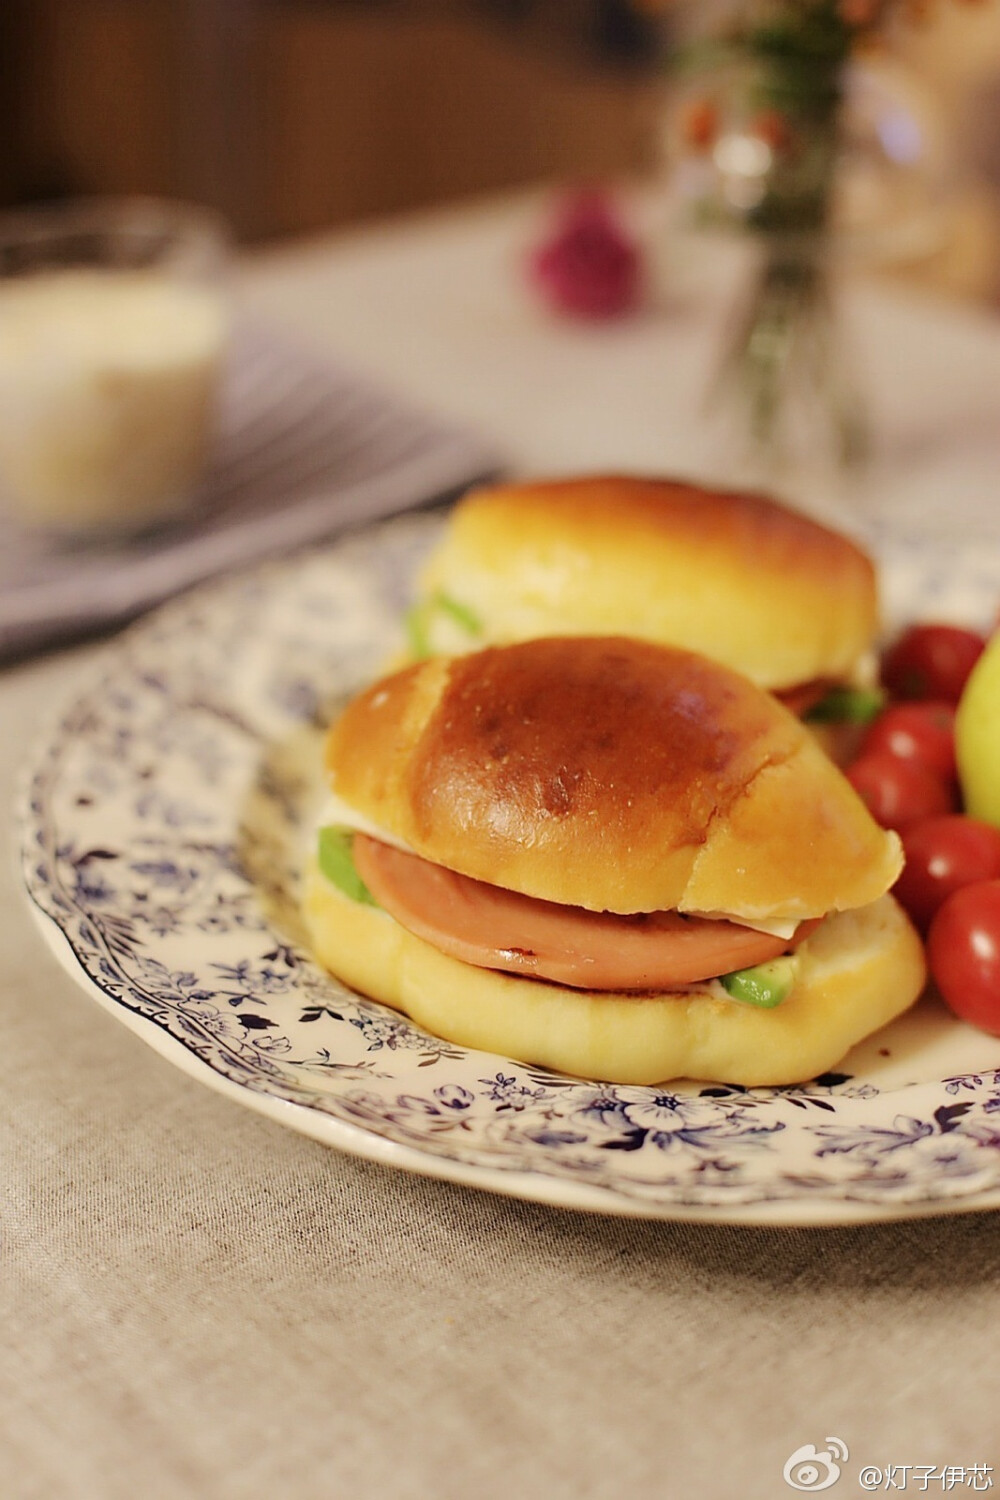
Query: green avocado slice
pixel 765 985
pixel 336 860
pixel 459 612
pixel 420 620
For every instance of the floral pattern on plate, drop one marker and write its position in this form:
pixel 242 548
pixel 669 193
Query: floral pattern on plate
pixel 163 829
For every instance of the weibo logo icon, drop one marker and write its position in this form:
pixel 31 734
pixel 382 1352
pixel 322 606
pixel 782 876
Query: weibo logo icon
pixel 811 1470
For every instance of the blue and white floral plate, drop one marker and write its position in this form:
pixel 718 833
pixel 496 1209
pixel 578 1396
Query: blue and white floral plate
pixel 163 829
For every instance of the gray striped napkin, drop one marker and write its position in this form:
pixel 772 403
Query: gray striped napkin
pixel 304 450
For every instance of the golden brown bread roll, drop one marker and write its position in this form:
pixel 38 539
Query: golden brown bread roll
pixel 738 577
pixel 610 774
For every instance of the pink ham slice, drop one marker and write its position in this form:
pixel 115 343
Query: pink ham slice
pixel 493 928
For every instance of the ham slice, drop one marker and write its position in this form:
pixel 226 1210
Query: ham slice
pixel 493 928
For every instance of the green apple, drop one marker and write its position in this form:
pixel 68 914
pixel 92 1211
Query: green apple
pixel 977 737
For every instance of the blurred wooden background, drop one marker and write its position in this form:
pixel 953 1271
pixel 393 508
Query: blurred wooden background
pixel 295 115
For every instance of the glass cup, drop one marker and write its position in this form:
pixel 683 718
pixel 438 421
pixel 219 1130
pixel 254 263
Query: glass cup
pixel 113 323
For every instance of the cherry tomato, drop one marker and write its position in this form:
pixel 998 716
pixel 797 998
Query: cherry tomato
pixel 963 950
pixel 931 661
pixel 942 855
pixel 898 792
pixel 924 732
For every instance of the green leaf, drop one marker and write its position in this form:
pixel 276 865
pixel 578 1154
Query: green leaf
pixel 707 54
pixel 336 860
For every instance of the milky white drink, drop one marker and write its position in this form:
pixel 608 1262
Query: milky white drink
pixel 106 386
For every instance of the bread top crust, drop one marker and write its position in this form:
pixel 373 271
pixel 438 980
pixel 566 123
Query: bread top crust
pixel 611 774
pixel 736 576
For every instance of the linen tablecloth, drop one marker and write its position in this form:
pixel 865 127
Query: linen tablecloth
pixel 197 1303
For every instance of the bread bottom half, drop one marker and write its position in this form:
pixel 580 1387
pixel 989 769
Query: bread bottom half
pixel 857 972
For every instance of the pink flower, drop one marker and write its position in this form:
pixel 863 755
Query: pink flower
pixel 590 266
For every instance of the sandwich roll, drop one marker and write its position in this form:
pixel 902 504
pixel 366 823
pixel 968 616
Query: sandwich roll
pixel 607 857
pixel 742 579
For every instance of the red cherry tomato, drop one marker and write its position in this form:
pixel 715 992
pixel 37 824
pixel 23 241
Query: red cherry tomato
pixel 924 732
pixel 931 661
pixel 942 855
pixel 898 792
pixel 963 950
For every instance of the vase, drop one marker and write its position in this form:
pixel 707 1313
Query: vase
pixel 770 142
pixel 786 384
